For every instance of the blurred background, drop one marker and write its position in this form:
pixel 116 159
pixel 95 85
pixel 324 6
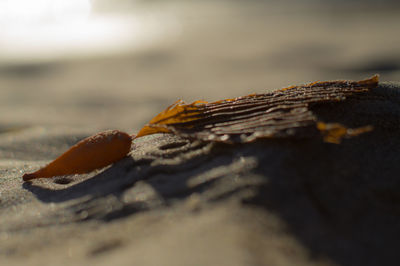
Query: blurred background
pixel 116 63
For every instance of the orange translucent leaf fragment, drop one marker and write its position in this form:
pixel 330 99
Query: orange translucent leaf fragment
pixel 178 112
pixel 334 132
pixel 87 155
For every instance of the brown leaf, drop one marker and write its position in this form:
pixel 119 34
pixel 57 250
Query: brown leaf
pixel 283 113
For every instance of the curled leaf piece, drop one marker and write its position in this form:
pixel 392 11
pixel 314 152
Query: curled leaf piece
pixel 279 114
pixel 87 155
pixel 282 113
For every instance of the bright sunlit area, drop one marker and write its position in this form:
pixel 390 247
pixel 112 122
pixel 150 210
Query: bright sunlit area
pixel 46 29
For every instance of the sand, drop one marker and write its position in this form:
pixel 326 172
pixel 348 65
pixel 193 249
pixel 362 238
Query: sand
pixel 174 202
pixel 180 202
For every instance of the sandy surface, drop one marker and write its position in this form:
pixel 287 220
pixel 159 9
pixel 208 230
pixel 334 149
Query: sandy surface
pixel 179 202
pixel 192 203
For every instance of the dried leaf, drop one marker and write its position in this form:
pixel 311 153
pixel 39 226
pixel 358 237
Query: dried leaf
pixel 279 114
pixel 92 153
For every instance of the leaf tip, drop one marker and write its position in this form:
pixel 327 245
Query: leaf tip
pixel 28 177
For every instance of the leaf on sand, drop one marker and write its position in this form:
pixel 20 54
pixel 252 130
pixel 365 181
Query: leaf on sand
pixel 89 154
pixel 280 114
pixel 284 113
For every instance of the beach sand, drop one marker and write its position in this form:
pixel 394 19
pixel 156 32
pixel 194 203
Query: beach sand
pixel 193 203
